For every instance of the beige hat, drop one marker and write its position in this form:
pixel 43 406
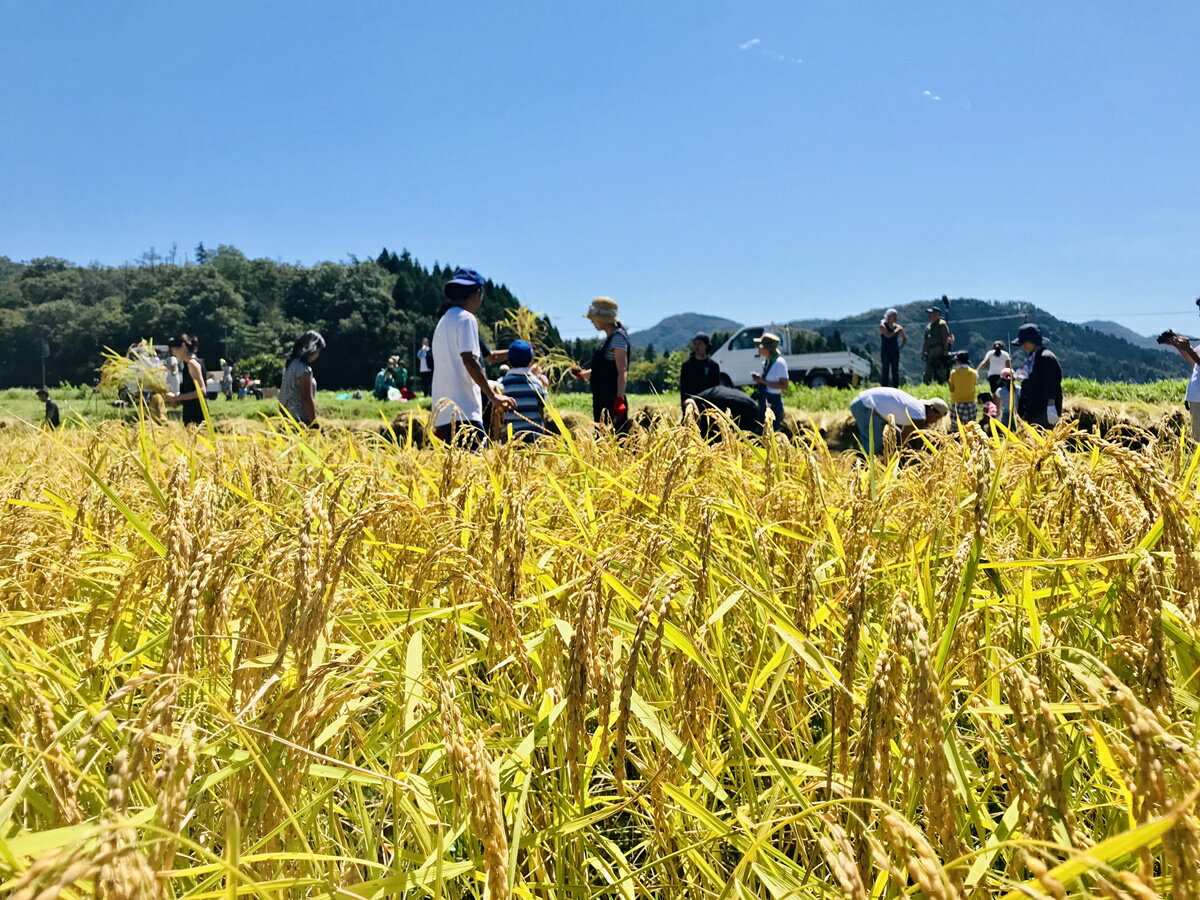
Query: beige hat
pixel 770 338
pixel 939 406
pixel 602 308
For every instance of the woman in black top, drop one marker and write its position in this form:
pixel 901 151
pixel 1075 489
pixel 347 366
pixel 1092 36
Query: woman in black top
pixel 698 372
pixel 192 379
pixel 609 370
pixel 891 339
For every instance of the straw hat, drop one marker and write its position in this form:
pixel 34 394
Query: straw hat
pixel 938 405
pixel 603 308
pixel 770 338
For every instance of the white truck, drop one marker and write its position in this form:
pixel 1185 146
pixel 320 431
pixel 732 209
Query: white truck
pixel 738 357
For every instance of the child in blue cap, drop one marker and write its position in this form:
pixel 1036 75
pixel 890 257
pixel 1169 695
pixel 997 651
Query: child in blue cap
pixel 522 385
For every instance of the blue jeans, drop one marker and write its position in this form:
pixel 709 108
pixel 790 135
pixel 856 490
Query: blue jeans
pixel 775 402
pixel 870 427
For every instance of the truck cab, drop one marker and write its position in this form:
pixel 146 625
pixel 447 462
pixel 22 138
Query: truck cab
pixel 738 358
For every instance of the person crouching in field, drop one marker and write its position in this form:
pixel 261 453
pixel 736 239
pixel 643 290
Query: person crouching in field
pixel 873 407
pixel 963 382
pixel 989 411
pixel 522 385
pixel 52 418
pixel 459 382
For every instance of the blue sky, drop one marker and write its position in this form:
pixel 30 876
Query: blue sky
pixel 759 160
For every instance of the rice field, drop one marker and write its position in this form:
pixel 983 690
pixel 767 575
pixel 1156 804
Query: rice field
pixel 305 665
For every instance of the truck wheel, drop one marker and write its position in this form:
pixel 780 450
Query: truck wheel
pixel 726 381
pixel 818 380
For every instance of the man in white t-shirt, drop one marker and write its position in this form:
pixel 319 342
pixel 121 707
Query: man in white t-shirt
pixel 1192 355
pixel 873 407
pixel 459 382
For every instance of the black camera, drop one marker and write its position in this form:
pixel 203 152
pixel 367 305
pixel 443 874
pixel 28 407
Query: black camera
pixel 1166 337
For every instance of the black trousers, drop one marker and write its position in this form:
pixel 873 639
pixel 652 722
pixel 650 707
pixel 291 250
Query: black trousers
pixel 890 376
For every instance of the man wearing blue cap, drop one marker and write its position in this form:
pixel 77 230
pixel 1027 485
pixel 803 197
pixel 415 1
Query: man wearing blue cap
pixel 459 382
pixel 1041 401
pixel 527 391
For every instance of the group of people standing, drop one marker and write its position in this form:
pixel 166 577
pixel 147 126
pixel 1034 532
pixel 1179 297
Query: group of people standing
pixel 462 394
pixel 1031 393
pixel 936 347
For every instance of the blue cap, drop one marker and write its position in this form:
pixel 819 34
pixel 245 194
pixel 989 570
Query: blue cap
pixel 520 353
pixel 466 276
pixel 1028 333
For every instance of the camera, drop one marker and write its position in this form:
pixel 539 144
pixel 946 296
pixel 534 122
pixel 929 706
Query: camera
pixel 1166 337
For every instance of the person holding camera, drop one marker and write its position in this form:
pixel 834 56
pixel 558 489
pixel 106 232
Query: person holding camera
pixel 1192 398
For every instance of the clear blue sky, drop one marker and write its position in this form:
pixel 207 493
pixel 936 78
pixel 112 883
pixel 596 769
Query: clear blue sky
pixel 760 160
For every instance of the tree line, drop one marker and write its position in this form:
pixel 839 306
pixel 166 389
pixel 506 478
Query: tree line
pixel 241 309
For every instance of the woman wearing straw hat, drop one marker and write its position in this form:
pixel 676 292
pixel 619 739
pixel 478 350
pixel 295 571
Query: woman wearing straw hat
pixel 773 380
pixel 609 370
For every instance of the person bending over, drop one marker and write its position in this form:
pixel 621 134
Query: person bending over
pixel 873 407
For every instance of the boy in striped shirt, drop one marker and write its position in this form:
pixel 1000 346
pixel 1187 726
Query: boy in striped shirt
pixel 527 389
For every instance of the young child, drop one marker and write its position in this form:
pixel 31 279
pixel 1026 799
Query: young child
pixel 52 418
pixel 1008 395
pixel 523 386
pixel 990 410
pixel 963 382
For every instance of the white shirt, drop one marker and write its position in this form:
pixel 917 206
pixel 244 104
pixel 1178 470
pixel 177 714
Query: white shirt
pixel 777 372
pixel 456 398
pixel 1193 388
pixel 998 362
pixel 890 401
pixel 422 360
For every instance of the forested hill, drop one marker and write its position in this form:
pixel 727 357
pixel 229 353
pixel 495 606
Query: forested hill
pixel 1138 340
pixel 237 307
pixel 1084 352
pixel 675 332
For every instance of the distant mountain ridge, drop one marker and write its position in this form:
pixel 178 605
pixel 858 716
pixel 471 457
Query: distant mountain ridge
pixel 1117 330
pixel 674 332
pixel 1098 349
pixel 1084 352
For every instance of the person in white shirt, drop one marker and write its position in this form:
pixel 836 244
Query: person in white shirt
pixel 997 360
pixel 773 380
pixel 425 366
pixel 172 375
pixel 873 407
pixel 459 382
pixel 1192 355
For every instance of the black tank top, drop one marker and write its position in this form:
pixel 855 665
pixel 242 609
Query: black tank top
pixel 193 414
pixel 890 344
